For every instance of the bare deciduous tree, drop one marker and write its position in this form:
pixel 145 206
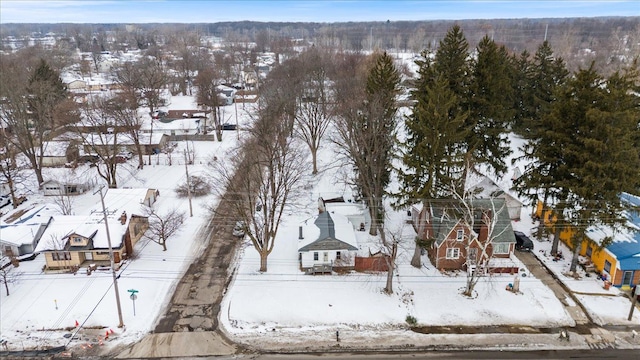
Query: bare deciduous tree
pixel 125 113
pixel 8 275
pixel 313 113
pixel 263 182
pixel 209 96
pixel 12 166
pixel 144 80
pixel 163 226
pixel 103 142
pixel 366 127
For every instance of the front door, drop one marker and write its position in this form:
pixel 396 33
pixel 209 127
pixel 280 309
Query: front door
pixel 473 256
pixel 626 278
pixel 88 256
pixel 326 257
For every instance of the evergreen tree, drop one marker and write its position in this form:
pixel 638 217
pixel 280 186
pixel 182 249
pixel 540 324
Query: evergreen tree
pixel 522 69
pixel 547 74
pixel 490 107
pixel 589 154
pixel 541 80
pixel 46 91
pixel 452 63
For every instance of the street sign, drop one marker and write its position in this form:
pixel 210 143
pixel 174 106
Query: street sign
pixel 132 291
pixel 133 297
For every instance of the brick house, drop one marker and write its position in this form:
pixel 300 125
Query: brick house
pixel 458 241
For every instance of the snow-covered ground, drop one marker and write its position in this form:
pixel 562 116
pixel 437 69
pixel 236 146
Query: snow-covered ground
pixel 43 308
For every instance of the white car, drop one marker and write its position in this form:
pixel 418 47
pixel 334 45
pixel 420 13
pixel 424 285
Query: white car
pixel 238 230
pixel 4 201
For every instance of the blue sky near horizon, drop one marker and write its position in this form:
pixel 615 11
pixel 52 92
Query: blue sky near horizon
pixel 208 11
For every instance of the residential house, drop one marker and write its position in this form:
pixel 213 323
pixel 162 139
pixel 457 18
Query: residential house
pixel 17 240
pixel 326 242
pixel 76 85
pixel 355 212
pixel 456 242
pixel 226 94
pixel 74 241
pixel 488 189
pixel 58 153
pixel 151 143
pixel 173 127
pixel 619 261
pixel 54 187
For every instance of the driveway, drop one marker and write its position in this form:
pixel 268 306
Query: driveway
pixel 538 270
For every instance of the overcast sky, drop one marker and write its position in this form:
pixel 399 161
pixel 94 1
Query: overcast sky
pixel 207 11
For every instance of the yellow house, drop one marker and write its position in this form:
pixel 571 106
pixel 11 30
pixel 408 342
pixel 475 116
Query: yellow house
pixel 74 241
pixel 620 260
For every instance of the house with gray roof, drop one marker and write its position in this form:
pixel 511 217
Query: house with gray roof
pixel 326 243
pixel 457 240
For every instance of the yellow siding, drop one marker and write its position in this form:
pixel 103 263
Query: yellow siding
pixel 60 264
pixel 598 256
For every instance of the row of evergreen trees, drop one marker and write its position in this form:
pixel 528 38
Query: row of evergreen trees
pixel 582 130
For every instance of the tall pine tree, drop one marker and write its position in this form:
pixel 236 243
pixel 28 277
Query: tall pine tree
pixel 490 104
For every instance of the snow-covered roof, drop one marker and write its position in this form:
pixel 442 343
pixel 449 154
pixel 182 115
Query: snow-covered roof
pixel 122 138
pixel 181 102
pixel 54 148
pixel 177 124
pixel 19 234
pixel 328 231
pixel 487 188
pixel 117 202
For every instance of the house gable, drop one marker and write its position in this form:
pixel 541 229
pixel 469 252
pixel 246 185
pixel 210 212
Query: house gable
pixel 328 238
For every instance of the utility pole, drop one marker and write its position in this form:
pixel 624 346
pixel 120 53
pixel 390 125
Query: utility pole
pixel 235 103
pixel 635 293
pixel 186 170
pixel 546 28
pixel 113 265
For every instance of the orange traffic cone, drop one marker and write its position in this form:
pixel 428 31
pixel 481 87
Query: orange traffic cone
pixel 77 323
pixel 106 334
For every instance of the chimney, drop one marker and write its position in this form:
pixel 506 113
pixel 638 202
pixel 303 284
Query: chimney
pixel 123 218
pixel 321 206
pixel 300 237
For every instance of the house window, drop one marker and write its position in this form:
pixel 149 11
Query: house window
pixel 589 251
pixel 338 255
pixel 77 240
pixel 315 256
pixel 607 266
pixel 627 277
pixel 459 235
pixel 61 255
pixel 453 253
pixel 501 248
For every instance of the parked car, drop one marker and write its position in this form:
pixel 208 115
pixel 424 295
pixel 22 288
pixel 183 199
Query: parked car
pixel 125 154
pixel 238 230
pixel 159 114
pixel 227 126
pixel 523 243
pixel 4 201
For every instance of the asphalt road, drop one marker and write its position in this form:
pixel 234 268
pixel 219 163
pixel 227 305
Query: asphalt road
pixel 451 355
